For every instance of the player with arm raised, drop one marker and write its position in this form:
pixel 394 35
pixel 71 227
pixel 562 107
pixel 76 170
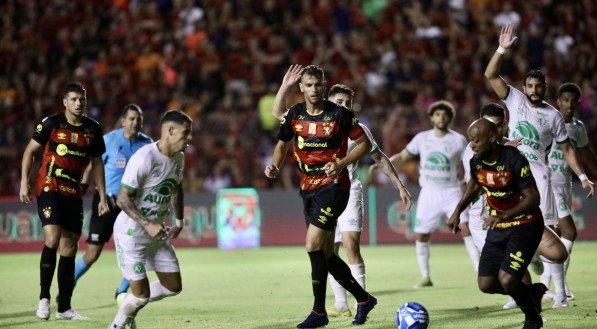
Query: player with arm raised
pixel 320 130
pixel 539 124
pixel 151 185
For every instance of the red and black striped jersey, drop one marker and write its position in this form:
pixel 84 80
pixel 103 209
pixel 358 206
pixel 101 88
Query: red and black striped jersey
pixel 503 182
pixel 319 139
pixel 67 151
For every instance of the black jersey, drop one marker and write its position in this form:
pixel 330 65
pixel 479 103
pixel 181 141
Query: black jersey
pixel 503 182
pixel 319 139
pixel 67 150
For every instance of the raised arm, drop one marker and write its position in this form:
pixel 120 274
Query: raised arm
pixel 492 71
pixel 572 159
pixel 26 165
pixel 382 161
pixel 290 78
pixel 471 191
pixel 126 202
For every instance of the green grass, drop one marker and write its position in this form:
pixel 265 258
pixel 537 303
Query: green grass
pixel 270 288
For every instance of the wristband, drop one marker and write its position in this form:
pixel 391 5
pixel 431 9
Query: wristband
pixel 583 177
pixel 179 223
pixel 500 50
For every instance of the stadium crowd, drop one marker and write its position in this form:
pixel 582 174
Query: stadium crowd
pixel 221 61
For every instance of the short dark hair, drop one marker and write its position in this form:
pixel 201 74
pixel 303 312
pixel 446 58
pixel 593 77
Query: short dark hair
pixel 315 71
pixel 537 74
pixel 442 106
pixel 340 89
pixel 492 110
pixel 74 87
pixel 131 107
pixel 570 87
pixel 175 116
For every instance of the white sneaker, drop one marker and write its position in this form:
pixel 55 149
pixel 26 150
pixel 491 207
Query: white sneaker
pixel 115 326
pixel 70 315
pixel 43 309
pixel 560 301
pixel 510 304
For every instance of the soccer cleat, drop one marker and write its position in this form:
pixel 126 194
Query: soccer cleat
pixel 314 320
pixel 537 291
pixel 569 294
pixel 560 301
pixel 533 324
pixel 70 315
pixel 363 309
pixel 510 304
pixel 548 295
pixel 333 312
pixel 423 284
pixel 43 309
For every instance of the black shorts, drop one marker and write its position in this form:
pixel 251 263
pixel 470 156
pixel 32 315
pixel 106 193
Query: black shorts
pixel 324 207
pixel 101 227
pixel 511 249
pixel 56 209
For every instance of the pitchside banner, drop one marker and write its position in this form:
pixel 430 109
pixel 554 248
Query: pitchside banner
pixel 248 218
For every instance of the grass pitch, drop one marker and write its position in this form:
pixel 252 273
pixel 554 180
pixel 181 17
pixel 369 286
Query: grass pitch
pixel 270 288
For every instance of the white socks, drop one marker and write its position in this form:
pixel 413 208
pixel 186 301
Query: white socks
pixel 157 291
pixel 358 272
pixel 128 308
pixel 423 257
pixel 568 244
pixel 472 251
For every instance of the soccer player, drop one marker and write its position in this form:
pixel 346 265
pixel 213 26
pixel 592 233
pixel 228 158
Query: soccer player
pixel 440 150
pixel 550 246
pixel 514 218
pixel 70 140
pixel 320 130
pixel 561 181
pixel 539 124
pixel 350 222
pixel 152 181
pixel 120 146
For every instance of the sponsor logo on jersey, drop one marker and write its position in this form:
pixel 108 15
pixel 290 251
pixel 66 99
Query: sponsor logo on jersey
pixel 39 128
pixel 302 144
pixel 61 150
pixel 529 133
pixel 437 161
pixel 298 128
pixel 74 137
pixel 61 135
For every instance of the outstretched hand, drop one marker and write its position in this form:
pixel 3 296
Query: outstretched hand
pixel 507 37
pixel 292 75
pixel 588 186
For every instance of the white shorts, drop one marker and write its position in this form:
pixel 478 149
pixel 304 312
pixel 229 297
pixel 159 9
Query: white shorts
pixel 548 203
pixel 563 198
pixel 351 220
pixel 476 224
pixel 135 258
pixel 434 202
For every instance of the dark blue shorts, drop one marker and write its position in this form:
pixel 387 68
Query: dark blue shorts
pixel 101 227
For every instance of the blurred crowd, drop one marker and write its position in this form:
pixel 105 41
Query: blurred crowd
pixel 222 62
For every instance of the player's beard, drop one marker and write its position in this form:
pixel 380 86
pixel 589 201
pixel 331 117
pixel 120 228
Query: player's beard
pixel 535 102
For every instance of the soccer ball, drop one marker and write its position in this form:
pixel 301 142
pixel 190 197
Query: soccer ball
pixel 412 315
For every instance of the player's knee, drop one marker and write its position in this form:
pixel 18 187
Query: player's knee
pixel 485 287
pixel 52 242
pixel 173 289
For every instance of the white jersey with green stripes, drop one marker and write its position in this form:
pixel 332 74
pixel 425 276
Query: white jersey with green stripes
pixel 440 157
pixel 154 177
pixel 560 170
pixel 539 127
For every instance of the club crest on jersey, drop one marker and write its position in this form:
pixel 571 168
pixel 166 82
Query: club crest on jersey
pixel 47 211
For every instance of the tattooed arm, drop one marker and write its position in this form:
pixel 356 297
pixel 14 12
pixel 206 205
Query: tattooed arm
pixel 177 201
pixel 126 202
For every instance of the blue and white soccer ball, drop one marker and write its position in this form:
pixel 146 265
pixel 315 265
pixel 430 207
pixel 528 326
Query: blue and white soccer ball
pixel 412 315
